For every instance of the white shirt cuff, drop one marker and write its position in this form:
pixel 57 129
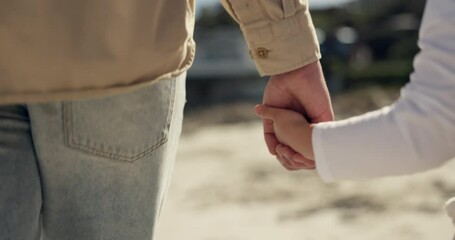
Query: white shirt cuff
pixel 322 166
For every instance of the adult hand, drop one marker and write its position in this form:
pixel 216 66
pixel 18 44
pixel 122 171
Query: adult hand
pixel 304 91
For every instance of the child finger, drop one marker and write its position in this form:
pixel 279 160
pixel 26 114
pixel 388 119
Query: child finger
pixel 269 136
pixel 266 112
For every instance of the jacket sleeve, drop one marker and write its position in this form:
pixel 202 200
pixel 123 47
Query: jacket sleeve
pixel 279 33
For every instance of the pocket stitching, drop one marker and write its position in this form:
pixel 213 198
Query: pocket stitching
pixel 71 142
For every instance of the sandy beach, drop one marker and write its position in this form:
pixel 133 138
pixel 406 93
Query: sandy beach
pixel 226 186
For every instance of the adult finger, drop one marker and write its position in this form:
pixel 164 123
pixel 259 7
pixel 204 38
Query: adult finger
pixel 295 158
pixel 310 164
pixel 291 166
pixel 286 161
pixel 290 154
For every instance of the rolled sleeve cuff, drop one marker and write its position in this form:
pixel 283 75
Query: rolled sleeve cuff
pixel 282 46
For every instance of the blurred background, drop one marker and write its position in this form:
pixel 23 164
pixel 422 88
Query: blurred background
pixel 227 187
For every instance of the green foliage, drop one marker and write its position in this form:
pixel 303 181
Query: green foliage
pixel 389 28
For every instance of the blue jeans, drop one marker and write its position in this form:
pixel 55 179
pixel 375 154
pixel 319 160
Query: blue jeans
pixel 90 169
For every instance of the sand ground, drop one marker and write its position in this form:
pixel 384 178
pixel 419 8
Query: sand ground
pixel 226 186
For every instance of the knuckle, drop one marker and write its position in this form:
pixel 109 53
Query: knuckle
pixel 292 169
pixel 289 167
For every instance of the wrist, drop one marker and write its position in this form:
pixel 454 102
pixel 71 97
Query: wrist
pixel 310 142
pixel 304 144
pixel 305 71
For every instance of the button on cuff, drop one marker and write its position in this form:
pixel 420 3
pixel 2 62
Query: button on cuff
pixel 262 52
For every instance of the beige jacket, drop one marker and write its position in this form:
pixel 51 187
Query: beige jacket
pixel 62 49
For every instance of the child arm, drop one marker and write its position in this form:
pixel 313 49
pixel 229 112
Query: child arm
pixel 417 132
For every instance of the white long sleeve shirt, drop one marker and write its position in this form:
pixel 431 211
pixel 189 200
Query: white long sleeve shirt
pixel 414 134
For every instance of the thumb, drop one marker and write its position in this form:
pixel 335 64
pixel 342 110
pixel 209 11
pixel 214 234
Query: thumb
pixel 266 112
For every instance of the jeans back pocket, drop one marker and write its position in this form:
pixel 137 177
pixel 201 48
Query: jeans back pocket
pixel 124 127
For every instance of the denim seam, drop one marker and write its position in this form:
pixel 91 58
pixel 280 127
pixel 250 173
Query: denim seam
pixel 73 143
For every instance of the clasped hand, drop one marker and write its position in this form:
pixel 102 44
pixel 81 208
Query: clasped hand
pixel 289 100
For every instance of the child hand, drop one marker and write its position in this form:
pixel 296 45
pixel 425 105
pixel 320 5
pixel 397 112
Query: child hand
pixel 291 129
